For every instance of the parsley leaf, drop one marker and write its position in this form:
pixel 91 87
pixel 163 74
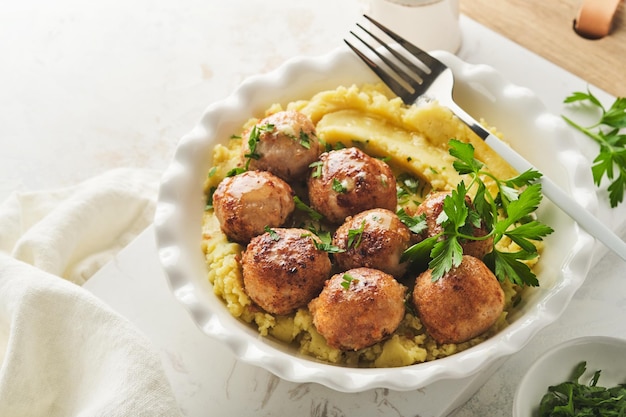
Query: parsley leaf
pixel 507 264
pixel 355 236
pixel 571 398
pixel 253 140
pixel 325 241
pixel 509 213
pixel 346 280
pixel 302 206
pixel 446 254
pixel 610 163
pixel 272 233
pixel 416 224
pixel 209 200
pixel 305 140
pixel 421 250
pixel 407 186
pixel 236 171
pixel 316 172
pixel 338 187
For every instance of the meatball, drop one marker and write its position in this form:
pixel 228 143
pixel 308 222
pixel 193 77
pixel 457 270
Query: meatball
pixel 358 308
pixel 432 206
pixel 283 143
pixel 283 269
pixel 374 238
pixel 462 304
pixel 246 203
pixel 347 181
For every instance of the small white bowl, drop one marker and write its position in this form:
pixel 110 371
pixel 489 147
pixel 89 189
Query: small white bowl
pixel 556 365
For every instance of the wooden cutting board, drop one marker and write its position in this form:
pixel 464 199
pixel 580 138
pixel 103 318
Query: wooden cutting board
pixel 546 28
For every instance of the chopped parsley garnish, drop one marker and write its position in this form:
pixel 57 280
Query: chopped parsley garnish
pixel 209 200
pixel 305 140
pixel 407 186
pixel 416 224
pixel 571 398
pixel 346 280
pixel 338 187
pixel 253 140
pixel 317 169
pixel 236 171
pixel 325 243
pixel 300 205
pixel 330 147
pixel 355 236
pixel 273 235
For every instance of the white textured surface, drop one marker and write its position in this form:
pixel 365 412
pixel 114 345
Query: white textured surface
pixel 88 86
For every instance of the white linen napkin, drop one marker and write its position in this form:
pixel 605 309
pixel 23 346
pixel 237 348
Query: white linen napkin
pixel 72 232
pixel 62 351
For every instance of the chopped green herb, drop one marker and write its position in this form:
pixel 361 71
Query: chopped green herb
pixel 300 205
pixel 416 224
pixel 273 235
pixel 355 236
pixel 212 172
pixel 347 279
pixel 253 140
pixel 408 186
pixel 325 243
pixel 236 171
pixel 209 200
pixel 571 398
pixel 317 169
pixel 336 146
pixel 305 140
pixel 338 187
pixel 410 183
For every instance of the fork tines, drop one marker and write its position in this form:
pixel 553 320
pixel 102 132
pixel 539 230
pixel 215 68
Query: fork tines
pixel 406 73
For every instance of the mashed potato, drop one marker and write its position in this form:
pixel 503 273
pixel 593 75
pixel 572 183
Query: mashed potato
pixel 415 141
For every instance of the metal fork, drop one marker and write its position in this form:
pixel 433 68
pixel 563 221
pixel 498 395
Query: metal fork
pixel 433 79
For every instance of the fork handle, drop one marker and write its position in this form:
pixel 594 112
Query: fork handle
pixel 559 197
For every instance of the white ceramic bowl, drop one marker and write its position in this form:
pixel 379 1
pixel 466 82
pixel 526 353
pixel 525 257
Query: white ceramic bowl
pixel 542 138
pixel 606 354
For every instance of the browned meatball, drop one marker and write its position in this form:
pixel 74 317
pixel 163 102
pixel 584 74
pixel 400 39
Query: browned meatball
pixel 432 206
pixel 246 203
pixel 462 304
pixel 358 308
pixel 283 269
pixel 348 181
pixel 283 143
pixel 374 238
